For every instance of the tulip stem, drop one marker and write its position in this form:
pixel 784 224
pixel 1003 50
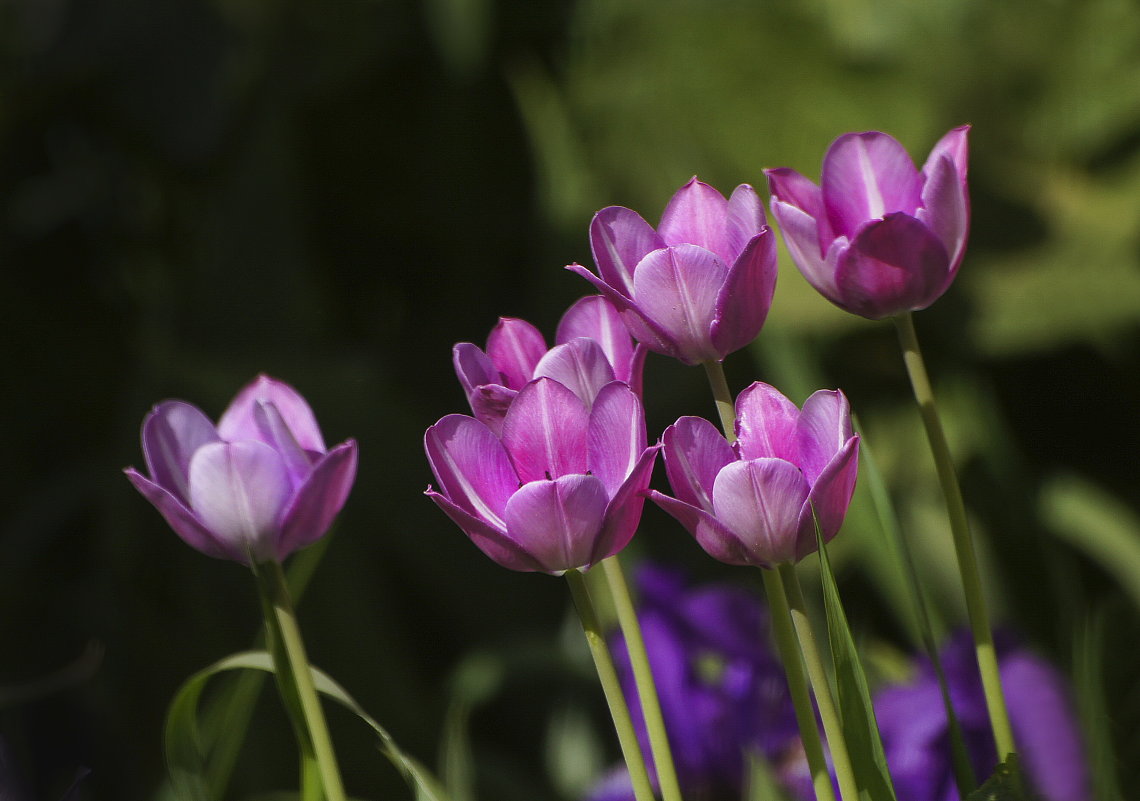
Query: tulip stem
pixel 789 650
pixel 963 540
pixel 825 701
pixel 725 407
pixel 643 676
pixel 611 686
pixel 782 630
pixel 296 681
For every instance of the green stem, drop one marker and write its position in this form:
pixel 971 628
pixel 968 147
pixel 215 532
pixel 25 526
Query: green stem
pixel 643 676
pixel 290 660
pixel 781 619
pixel 623 723
pixel 963 540
pixel 788 648
pixel 825 701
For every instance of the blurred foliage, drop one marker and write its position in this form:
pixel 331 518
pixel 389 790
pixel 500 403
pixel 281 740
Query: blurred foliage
pixel 192 191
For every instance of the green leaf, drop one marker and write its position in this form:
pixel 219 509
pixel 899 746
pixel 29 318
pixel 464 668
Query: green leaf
pixel 186 757
pixel 860 729
pixel 1004 785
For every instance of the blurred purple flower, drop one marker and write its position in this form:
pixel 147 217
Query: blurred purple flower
pixel 877 237
pixel 699 286
pixel 257 486
pixel 516 353
pixel 750 503
pixel 916 736
pixel 561 485
pixel 723 692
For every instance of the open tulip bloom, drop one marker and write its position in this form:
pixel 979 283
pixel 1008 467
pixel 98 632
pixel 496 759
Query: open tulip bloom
pixel 699 286
pixel 593 348
pixel 255 487
pixel 877 237
pixel 559 488
pixel 751 502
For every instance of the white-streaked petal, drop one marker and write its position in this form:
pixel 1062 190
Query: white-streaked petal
pixel 558 521
pixel 171 433
pixel 471 466
pixel 760 502
pixel 544 431
pixel 238 421
pixel 580 365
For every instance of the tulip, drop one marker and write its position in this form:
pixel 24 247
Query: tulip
pixel 697 288
pixel 752 502
pixel 560 487
pixel 255 487
pixel 877 237
pixel 593 348
pixel 912 720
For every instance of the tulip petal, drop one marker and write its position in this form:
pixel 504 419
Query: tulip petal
pixel 954 146
pixel 696 215
pixel 276 434
pixel 760 501
pixel 182 520
pixel 744 299
pixel 473 367
pixel 766 423
pixel 580 365
pixel 171 433
pixel 619 239
pixel 830 496
pixel 514 347
pixel 559 521
pixel 791 190
pixel 596 318
pixel 677 288
pixel 636 322
pixel 238 422
pixel 823 428
pixel 867 176
pixel 624 511
pixel 238 490
pixel 493 542
pixel 946 208
pixel 616 435
pixel 544 431
pixel 744 219
pixel 489 404
pixel 717 540
pixel 318 500
pixel 892 266
pixel 694 453
pixel 471 466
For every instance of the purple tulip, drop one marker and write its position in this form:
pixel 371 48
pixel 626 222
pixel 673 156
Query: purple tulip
pixel 257 486
pixel 593 348
pixel 698 287
pixel 723 693
pixel 916 736
pixel 750 503
pixel 560 487
pixel 877 237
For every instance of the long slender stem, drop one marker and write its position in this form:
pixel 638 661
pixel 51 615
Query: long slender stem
pixel 282 623
pixel 963 540
pixel 789 650
pixel 623 723
pixel 781 620
pixel 643 676
pixel 825 701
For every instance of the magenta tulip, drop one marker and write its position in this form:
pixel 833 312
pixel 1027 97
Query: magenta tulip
pixel 593 348
pixel 877 237
pixel 699 286
pixel 255 487
pixel 750 503
pixel 559 487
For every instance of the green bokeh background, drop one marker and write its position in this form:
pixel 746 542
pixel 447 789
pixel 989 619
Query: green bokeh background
pixel 335 192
